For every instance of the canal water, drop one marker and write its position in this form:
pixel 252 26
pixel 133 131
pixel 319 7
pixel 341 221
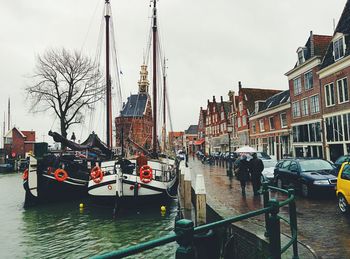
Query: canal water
pixel 65 231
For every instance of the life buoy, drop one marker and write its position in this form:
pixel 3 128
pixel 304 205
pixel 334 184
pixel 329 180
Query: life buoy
pixel 61 175
pixel 146 174
pixel 25 175
pixel 96 174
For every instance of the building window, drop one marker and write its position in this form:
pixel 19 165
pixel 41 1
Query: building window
pixel 301 58
pixel 343 92
pixel 338 48
pixel 244 120
pixel 308 80
pixel 329 92
pixel 314 104
pixel 272 123
pixel 222 116
pixel 253 127
pixel 304 107
pixel 283 117
pixel 297 85
pixel 296 109
pixel 261 124
pixel 239 122
pixel 240 106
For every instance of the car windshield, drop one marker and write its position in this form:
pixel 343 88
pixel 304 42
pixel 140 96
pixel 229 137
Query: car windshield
pixel 269 163
pixel 263 155
pixel 315 165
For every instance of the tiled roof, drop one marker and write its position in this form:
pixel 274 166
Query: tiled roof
pixel 135 106
pixel 193 129
pixel 275 100
pixel 255 94
pixel 342 27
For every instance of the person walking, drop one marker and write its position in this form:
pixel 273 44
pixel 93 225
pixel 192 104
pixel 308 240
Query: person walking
pixel 256 167
pixel 243 172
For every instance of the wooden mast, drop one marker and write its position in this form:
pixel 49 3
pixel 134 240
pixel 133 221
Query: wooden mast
pixel 154 29
pixel 164 108
pixel 108 80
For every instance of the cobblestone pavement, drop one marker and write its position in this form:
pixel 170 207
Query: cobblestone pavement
pixel 320 224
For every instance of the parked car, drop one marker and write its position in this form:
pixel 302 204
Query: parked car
pixel 306 175
pixel 269 169
pixel 338 163
pixel 343 188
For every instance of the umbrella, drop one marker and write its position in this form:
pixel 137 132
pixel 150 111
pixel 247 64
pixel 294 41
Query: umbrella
pixel 246 149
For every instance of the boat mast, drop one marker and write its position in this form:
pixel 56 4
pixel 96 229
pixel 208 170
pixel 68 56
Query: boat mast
pixel 164 107
pixel 108 79
pixel 154 29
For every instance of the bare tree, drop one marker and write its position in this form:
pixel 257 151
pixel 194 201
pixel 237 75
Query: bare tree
pixel 66 83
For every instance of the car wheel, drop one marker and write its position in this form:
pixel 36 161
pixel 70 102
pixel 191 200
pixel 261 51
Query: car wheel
pixel 305 190
pixel 342 204
pixel 279 183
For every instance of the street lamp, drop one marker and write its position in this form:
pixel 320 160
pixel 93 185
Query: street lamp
pixel 229 131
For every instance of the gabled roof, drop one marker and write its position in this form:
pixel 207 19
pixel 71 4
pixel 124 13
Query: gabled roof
pixel 193 129
pixel 256 94
pixel 135 106
pixel 273 101
pixel 344 28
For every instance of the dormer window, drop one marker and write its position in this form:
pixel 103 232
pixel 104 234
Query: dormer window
pixel 338 46
pixel 301 55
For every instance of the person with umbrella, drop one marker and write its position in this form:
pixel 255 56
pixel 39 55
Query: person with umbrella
pixel 242 172
pixel 256 167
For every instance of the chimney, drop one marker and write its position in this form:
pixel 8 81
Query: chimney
pixel 208 102
pixel 214 98
pixel 312 47
pixel 239 86
pixel 222 100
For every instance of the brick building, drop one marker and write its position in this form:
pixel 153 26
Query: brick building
pixel 190 137
pixel 269 125
pixel 135 120
pixel 306 99
pixel 200 142
pixel 175 140
pixel 17 143
pixel 217 120
pixel 334 77
pixel 247 99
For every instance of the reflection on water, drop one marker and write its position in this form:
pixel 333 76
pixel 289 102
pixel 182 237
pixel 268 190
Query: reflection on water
pixel 64 230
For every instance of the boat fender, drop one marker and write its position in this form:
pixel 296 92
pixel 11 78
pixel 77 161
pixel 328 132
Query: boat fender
pixel 61 175
pixel 146 174
pixel 96 174
pixel 25 175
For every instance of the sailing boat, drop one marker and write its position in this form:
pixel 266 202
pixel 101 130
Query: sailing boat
pixel 148 176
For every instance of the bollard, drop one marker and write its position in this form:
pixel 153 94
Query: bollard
pixel 266 194
pixel 184 232
pixel 293 223
pixel 187 189
pixel 274 230
pixel 182 181
pixel 201 201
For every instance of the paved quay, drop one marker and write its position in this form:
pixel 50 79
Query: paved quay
pixel 224 196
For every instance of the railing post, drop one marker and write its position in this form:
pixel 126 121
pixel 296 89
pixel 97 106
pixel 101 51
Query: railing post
pixel 187 189
pixel 266 194
pixel 274 230
pixel 184 231
pixel 201 201
pixel 293 223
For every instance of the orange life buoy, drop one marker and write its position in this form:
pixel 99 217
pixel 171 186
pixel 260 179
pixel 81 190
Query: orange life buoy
pixel 61 175
pixel 146 174
pixel 96 174
pixel 25 175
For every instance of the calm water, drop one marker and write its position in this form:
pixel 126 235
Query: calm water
pixel 64 231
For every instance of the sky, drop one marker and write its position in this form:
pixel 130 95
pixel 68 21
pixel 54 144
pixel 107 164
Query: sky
pixel 210 46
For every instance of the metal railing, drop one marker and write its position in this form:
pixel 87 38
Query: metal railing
pixel 185 230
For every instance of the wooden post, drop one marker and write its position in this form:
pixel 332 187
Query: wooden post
pixel 182 179
pixel 201 201
pixel 187 191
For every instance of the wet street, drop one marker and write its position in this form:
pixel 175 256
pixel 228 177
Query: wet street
pixel 320 224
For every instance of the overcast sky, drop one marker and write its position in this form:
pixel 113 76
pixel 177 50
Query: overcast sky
pixel 210 46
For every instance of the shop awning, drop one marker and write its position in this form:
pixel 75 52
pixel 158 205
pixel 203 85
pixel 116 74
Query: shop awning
pixel 199 142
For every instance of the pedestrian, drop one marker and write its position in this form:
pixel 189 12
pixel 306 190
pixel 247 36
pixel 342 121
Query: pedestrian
pixel 242 172
pixel 256 167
